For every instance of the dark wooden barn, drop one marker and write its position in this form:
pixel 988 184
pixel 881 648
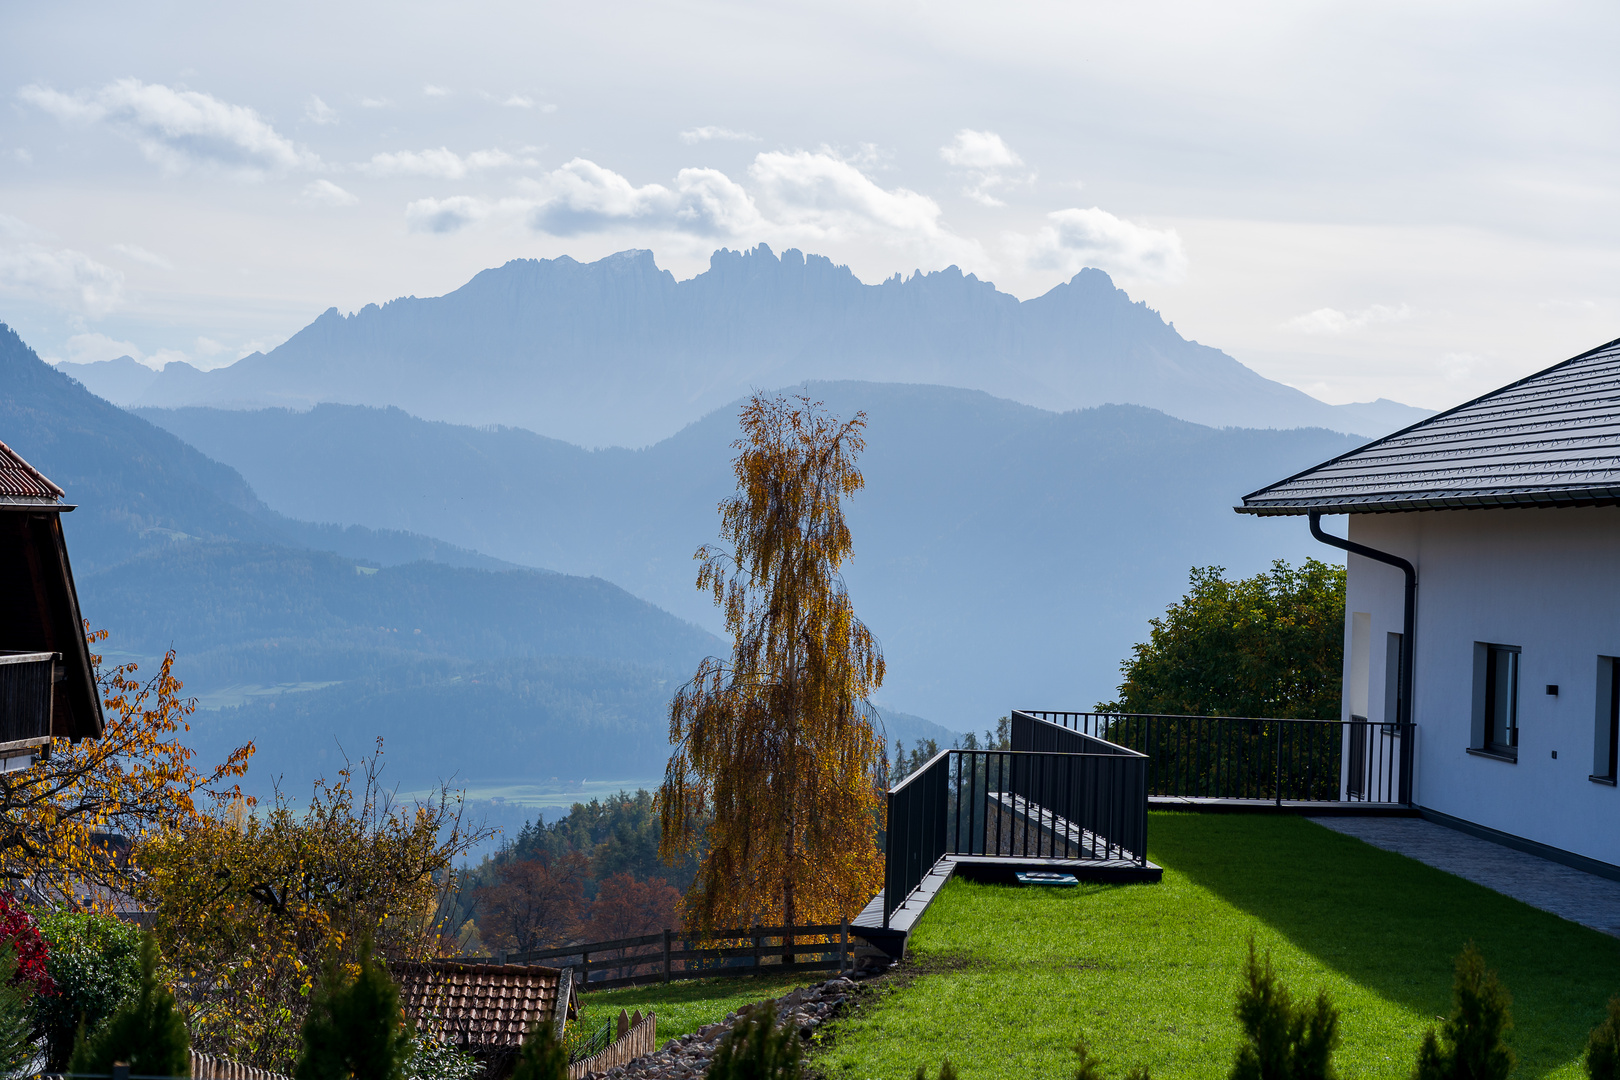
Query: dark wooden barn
pixel 47 686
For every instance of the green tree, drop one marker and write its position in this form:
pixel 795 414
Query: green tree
pixel 355 1029
pixel 1603 1046
pixel 542 1057
pixel 1271 645
pixel 756 1049
pixel 95 961
pixel 1282 1040
pixel 147 1031
pixel 1471 1044
pixel 778 744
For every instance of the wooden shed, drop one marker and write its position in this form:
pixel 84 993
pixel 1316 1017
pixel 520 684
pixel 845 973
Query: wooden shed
pixel 47 685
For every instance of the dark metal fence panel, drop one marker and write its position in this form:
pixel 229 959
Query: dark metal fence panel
pixel 1081 799
pixel 1243 757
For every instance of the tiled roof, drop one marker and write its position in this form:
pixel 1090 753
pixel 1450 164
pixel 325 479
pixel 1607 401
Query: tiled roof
pixel 20 482
pixel 480 1004
pixel 1551 439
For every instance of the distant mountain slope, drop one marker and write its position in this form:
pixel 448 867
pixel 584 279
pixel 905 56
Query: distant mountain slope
pixel 458 667
pixel 139 487
pixel 617 352
pixel 1006 556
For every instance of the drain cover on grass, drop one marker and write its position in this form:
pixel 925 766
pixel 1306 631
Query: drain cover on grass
pixel 1046 877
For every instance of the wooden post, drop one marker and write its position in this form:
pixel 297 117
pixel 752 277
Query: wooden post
pixel 843 944
pixel 624 1025
pixel 666 954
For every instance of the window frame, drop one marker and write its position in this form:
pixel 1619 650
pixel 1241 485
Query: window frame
pixel 1489 728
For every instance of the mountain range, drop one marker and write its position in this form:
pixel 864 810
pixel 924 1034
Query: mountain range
pixel 617 352
pixel 314 640
pixel 1003 553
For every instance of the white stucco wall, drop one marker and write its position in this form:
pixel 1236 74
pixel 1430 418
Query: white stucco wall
pixel 1547 581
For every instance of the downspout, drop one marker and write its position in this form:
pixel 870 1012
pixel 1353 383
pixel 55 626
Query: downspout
pixel 1403 697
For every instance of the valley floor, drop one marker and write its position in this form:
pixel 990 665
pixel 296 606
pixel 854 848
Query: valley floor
pixel 1002 980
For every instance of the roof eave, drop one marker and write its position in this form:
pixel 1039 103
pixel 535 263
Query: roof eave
pixel 1507 500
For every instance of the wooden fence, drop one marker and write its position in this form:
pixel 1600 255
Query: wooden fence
pixel 637 1035
pixel 675 954
pixel 205 1067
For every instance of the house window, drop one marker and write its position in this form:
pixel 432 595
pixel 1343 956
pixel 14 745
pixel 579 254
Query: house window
pixel 1606 729
pixel 1496 700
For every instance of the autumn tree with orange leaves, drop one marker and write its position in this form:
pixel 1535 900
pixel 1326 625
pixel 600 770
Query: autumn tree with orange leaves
pixel 777 743
pixel 71 824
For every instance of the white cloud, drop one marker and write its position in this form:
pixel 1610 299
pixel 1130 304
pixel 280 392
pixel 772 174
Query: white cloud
pixel 22 155
pixel 325 193
pixel 376 103
pixel 318 111
pixel 177 129
pixel 709 133
pixel 1076 239
pixel 979 150
pixel 518 101
pixel 60 276
pixel 446 215
pixel 794 198
pixel 443 163
pixel 435 91
pixel 985 158
pixel 1334 321
pixel 144 257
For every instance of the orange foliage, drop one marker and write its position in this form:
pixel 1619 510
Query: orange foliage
pixel 67 824
pixel 625 907
pixel 778 743
pixel 536 903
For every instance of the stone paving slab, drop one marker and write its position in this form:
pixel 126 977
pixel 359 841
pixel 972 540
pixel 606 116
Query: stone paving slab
pixel 1562 890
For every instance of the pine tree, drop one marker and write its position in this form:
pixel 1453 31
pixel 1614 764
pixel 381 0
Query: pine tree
pixel 1470 1045
pixel 355 1029
pixel 756 1049
pixel 1283 1041
pixel 147 1032
pixel 1603 1046
pixel 542 1056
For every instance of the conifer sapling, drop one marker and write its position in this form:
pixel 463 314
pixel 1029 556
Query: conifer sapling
pixel 147 1032
pixel 1470 1045
pixel 1603 1046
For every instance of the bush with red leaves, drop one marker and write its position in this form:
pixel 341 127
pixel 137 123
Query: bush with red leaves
pixel 18 928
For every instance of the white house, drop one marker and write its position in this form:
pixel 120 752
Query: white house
pixel 1506 514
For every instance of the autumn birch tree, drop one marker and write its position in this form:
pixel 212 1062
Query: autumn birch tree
pixel 775 748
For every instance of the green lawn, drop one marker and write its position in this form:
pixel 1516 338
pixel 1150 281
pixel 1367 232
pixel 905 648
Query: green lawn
pixel 1005 978
pixel 684 1007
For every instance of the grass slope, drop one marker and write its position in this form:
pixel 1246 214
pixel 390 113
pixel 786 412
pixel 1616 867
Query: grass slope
pixel 683 1007
pixel 1004 979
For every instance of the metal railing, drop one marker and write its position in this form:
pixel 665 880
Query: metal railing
pixel 1252 758
pixel 1057 794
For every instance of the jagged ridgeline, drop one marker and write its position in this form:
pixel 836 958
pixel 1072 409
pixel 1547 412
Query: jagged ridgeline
pixel 618 352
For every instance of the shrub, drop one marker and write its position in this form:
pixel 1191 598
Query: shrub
pixel 756 1049
pixel 1283 1041
pixel 1603 1046
pixel 94 963
pixel 431 1057
pixel 542 1057
pixel 1470 1045
pixel 146 1031
pixel 354 1028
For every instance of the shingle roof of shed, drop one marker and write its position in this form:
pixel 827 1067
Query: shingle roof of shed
pixel 20 482
pixel 480 1004
pixel 1551 439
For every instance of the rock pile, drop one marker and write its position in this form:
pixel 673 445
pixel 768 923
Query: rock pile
pixel 688 1057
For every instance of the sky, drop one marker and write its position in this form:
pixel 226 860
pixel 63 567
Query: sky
pixel 1406 200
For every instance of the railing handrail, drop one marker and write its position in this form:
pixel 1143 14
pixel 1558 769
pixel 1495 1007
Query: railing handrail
pixel 1041 714
pixel 919 770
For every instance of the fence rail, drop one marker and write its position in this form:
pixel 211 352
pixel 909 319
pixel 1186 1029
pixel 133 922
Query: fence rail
pixel 1254 758
pixel 674 955
pixel 1059 793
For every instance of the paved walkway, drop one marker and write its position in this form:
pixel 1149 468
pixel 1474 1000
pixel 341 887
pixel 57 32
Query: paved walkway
pixel 1566 892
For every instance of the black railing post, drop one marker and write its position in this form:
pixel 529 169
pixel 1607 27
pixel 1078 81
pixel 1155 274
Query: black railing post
pixel 1276 775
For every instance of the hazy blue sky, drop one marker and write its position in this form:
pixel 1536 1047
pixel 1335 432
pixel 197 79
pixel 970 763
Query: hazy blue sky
pixel 1412 200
